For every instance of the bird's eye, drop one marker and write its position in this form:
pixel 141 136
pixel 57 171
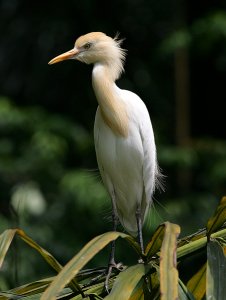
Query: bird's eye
pixel 87 46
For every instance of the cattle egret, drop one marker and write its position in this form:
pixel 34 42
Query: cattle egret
pixel 123 134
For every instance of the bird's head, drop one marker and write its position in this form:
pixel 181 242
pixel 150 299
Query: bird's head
pixel 94 47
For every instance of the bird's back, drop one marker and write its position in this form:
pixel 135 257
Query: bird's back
pixel 128 164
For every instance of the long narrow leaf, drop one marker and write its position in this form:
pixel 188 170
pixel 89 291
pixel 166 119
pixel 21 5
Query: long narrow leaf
pixel 126 283
pixel 156 241
pixel 197 284
pixel 216 271
pixel 168 268
pixel 47 256
pixel 21 292
pixel 95 289
pixel 184 293
pixel 5 241
pixel 218 219
pixel 44 253
pixel 139 292
pixel 78 262
pixel 134 244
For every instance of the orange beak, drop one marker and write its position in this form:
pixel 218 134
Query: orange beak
pixel 67 55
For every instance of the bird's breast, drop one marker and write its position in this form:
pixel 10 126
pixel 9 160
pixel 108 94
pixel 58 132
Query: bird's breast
pixel 116 120
pixel 118 153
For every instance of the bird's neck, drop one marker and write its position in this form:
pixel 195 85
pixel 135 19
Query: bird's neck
pixel 112 107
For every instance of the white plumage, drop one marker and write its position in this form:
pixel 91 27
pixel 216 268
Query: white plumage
pixel 123 134
pixel 128 164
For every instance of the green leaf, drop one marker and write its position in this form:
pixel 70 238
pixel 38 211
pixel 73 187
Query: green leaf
pixel 48 257
pixel 5 241
pixel 35 295
pixel 197 284
pixel 131 240
pixel 78 262
pixel 154 282
pixel 183 292
pixel 168 268
pixel 94 289
pixel 27 289
pixel 218 219
pixel 216 271
pixel 139 291
pixel 127 283
pixel 155 243
pixel 44 253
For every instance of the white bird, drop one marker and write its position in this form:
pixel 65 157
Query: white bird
pixel 123 134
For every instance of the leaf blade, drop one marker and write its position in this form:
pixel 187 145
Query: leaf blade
pixel 78 261
pixel 216 271
pixel 197 284
pixel 48 257
pixel 5 241
pixel 44 253
pixel 168 269
pixel 126 282
pixel 184 293
pixel 218 219
pixel 156 241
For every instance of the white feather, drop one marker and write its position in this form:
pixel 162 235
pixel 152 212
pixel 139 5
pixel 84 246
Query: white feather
pixel 128 165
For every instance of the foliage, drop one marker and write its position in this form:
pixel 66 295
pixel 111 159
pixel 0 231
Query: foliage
pixel 155 277
pixel 40 184
pixel 44 193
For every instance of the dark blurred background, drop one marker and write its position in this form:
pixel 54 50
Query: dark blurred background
pixel 49 183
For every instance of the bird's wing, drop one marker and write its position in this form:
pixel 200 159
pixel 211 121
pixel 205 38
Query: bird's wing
pixel 140 116
pixel 153 178
pixel 150 168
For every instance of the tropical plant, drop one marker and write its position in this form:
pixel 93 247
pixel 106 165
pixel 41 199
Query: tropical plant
pixel 155 276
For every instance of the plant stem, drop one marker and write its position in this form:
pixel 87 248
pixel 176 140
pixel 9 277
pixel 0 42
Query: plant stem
pixel 198 244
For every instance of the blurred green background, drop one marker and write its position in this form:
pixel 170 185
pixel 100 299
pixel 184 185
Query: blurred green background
pixel 49 182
